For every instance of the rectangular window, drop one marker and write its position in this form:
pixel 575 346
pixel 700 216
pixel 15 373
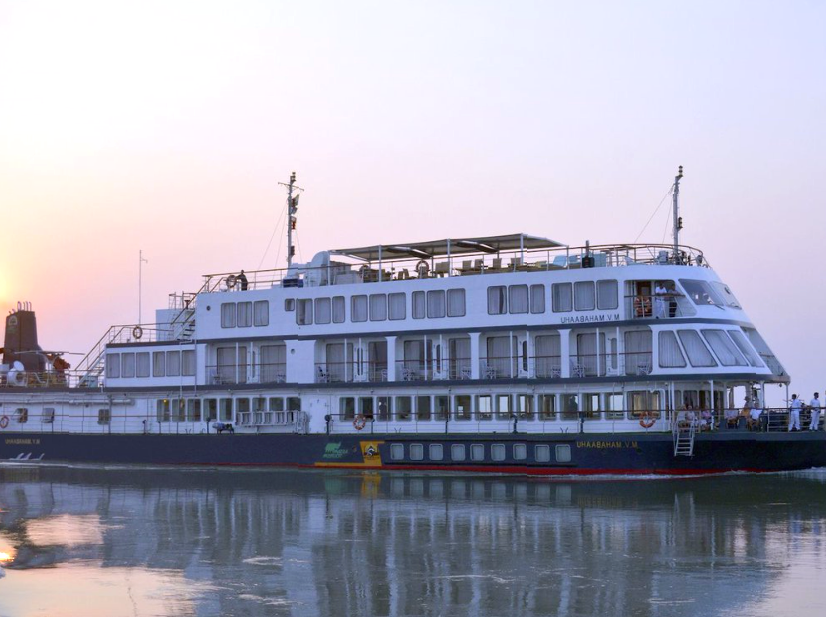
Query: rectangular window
pixel 563 453
pixel 210 409
pixel 398 306
pixel 423 408
pixel 477 452
pixel 497 452
pixel 48 415
pixel 518 299
pixel 261 312
pixel 698 353
pixel 228 315
pixel 366 406
pixel 456 303
pixel 244 317
pixel 607 295
pixel 304 312
pixel 347 407
pixel 397 452
pixel 457 452
pixel 561 297
pixel 188 363
pixel 113 365
pixel 746 349
pixel 277 403
pixel 724 348
pixel 520 451
pixel 225 410
pixel 537 299
pixel 162 410
pixel 484 407
pixel 104 416
pixel 416 451
pixel 584 299
pixel 127 365
pixel 403 408
pixel 193 410
pixel 437 452
pixel 323 310
pixel 461 404
pixel 419 305
pixel 497 300
pixel 441 405
pixel 358 308
pixel 385 408
pixel 503 406
pixel 436 304
pixel 378 307
pixel 338 309
pixel 173 363
pixel 289 305
pixel 614 406
pixel 546 403
pixel 542 454
pixel 524 406
pixel 142 364
pixel 158 364
pixel 669 351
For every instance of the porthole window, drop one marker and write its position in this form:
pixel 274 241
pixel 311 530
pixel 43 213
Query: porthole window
pixel 437 452
pixel 457 452
pixel 497 452
pixel 520 451
pixel 397 452
pixel 477 452
pixel 416 451
pixel 563 453
pixel 542 454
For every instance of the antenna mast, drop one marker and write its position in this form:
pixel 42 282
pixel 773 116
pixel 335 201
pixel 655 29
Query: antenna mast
pixel 678 221
pixel 292 209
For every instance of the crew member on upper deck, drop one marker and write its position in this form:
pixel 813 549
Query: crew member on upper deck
pixel 815 406
pixel 794 413
pixel 242 281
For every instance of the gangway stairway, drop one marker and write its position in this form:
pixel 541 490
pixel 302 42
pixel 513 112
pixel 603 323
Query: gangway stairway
pixel 684 439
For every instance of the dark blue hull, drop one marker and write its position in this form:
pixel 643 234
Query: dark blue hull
pixel 565 454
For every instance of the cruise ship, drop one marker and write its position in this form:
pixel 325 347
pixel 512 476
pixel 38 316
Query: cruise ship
pixel 506 354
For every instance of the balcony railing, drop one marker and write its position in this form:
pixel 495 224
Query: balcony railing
pixel 665 306
pixel 228 374
pixel 347 372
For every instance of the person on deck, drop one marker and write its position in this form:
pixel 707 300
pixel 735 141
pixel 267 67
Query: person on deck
pixel 659 301
pixel 814 404
pixel 242 280
pixel 794 413
pixel 753 423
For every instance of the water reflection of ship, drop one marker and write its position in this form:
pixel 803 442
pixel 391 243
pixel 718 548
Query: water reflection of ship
pixel 378 544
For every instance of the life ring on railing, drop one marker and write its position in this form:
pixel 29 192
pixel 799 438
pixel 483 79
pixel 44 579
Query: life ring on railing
pixel 359 422
pixel 137 332
pixel 4 422
pixel 231 280
pixel 647 419
pixel 422 269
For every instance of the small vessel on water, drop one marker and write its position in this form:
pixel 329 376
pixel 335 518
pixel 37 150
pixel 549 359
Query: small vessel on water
pixel 508 354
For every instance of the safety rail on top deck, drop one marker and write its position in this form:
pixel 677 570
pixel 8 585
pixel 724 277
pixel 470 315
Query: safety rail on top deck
pixel 538 260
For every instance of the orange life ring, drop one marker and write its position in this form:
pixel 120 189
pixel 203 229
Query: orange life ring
pixel 647 419
pixel 359 422
pixel 4 422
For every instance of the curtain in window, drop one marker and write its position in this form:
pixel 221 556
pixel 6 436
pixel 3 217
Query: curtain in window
pixel 607 295
pixel 159 364
pixel 497 300
pixel 669 351
pixel 358 310
pixel 273 363
pixel 378 307
pixel 584 296
pixel 127 365
pixel 377 358
pixel 518 298
pixel 459 349
pixel 226 364
pixel 142 364
pixel 418 305
pixel 188 362
pixel 112 365
pixel 414 359
pixel 173 363
pixel 228 315
pixel 586 345
pixel 244 314
pixel 323 310
pixel 548 350
pixel 638 347
pixel 698 353
pixel 746 349
pixel 726 351
pixel 436 304
pixel 304 312
pixel 397 306
pixel 455 302
pixel 339 365
pixel 261 313
pixel 561 297
pixel 502 358
pixel 537 299
pixel 338 309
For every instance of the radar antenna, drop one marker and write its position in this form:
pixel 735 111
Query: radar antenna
pixel 292 218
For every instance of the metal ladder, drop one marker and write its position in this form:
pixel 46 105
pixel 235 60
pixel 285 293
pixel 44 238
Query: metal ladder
pixel 684 440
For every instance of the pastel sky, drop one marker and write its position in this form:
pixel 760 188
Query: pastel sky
pixel 166 126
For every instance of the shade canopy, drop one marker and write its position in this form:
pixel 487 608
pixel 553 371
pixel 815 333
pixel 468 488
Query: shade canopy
pixel 450 246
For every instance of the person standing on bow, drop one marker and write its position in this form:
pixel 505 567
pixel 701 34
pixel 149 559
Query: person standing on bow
pixel 794 413
pixel 814 404
pixel 242 280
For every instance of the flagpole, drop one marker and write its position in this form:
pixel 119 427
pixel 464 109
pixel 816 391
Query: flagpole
pixel 141 261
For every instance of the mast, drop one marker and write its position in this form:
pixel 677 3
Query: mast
pixel 292 209
pixel 678 221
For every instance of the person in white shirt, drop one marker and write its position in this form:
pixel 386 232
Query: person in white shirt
pixel 753 422
pixel 659 301
pixel 815 406
pixel 794 413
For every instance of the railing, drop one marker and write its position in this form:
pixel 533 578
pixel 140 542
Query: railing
pixel 561 258
pixel 352 371
pixel 661 306
pixel 228 374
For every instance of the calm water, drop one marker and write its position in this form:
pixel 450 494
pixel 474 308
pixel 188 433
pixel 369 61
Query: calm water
pixel 113 542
